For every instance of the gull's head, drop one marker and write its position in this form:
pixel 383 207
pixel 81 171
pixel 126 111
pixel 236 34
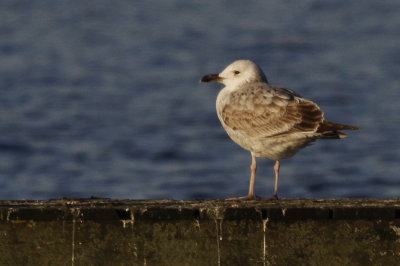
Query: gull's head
pixel 238 73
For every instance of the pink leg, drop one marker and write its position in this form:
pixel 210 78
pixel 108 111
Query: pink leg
pixel 276 168
pixel 253 176
pixel 251 195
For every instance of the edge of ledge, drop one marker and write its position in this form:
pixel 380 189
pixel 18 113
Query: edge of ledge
pixel 103 209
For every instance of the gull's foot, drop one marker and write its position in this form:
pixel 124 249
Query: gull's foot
pixel 248 197
pixel 274 197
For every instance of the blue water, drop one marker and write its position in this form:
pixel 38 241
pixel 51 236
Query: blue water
pixel 103 99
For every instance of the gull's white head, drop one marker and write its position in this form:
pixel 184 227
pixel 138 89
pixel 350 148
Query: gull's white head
pixel 238 73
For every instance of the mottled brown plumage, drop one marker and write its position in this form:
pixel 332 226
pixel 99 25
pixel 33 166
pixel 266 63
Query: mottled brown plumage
pixel 269 121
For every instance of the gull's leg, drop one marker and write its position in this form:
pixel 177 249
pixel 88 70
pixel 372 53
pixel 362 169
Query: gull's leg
pixel 251 195
pixel 276 168
pixel 253 176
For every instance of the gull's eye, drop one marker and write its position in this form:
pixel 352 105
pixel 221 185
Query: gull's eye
pixel 236 72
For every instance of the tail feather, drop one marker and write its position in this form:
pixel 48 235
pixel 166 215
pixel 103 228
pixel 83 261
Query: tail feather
pixel 331 130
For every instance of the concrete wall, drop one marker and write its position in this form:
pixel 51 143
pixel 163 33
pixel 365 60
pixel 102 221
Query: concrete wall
pixel 212 232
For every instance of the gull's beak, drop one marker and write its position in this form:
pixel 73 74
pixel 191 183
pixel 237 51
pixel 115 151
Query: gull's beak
pixel 211 77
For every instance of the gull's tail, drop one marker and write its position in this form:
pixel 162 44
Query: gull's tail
pixel 331 130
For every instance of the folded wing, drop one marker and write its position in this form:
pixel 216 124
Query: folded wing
pixel 265 111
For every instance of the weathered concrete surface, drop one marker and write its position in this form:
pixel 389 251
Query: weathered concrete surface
pixel 209 232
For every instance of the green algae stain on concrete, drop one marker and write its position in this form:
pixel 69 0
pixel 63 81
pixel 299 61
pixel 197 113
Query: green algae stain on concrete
pixel 35 243
pixel 291 232
pixel 345 242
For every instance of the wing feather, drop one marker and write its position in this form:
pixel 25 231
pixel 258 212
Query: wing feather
pixel 264 111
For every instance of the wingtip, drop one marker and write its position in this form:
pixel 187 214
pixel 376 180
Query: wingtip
pixel 342 135
pixel 348 127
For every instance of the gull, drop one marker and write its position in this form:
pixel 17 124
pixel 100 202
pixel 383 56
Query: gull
pixel 269 121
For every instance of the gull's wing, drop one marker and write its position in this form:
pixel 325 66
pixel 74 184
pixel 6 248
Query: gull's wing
pixel 262 110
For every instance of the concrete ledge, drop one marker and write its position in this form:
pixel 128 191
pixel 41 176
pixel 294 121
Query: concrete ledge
pixel 200 232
